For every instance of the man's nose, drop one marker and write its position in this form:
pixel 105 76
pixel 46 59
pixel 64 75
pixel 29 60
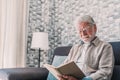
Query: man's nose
pixel 84 32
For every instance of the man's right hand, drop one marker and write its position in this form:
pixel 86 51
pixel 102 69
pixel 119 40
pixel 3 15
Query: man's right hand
pixel 65 77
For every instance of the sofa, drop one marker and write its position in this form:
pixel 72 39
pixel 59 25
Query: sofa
pixel 42 73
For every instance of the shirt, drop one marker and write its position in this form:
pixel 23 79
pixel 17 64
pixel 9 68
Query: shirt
pixel 81 59
pixel 98 59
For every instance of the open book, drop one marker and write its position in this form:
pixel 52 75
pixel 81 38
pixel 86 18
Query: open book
pixel 70 69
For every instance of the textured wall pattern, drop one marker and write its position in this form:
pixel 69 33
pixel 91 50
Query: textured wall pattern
pixel 57 16
pixel 38 21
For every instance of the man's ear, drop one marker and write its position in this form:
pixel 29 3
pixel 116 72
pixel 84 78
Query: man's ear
pixel 95 28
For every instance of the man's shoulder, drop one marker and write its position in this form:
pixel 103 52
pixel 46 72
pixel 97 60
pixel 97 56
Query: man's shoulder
pixel 102 42
pixel 105 43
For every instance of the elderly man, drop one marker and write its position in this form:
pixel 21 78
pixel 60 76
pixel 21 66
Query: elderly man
pixel 93 56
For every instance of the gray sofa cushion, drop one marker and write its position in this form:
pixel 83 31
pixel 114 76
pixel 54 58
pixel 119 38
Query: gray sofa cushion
pixel 23 74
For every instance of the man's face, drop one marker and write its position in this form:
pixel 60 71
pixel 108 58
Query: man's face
pixel 86 31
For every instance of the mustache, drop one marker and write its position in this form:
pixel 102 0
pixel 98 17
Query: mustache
pixel 87 36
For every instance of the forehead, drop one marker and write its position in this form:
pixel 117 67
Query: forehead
pixel 83 24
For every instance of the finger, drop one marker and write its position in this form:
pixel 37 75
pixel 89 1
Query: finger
pixel 65 76
pixel 60 77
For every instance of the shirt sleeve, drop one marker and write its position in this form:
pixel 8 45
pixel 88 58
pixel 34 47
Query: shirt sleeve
pixel 106 63
pixel 72 54
pixel 87 78
pixel 69 55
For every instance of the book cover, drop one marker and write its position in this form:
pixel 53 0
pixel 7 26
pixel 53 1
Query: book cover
pixel 70 69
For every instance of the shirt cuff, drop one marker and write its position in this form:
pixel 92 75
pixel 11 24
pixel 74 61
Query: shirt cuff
pixel 87 78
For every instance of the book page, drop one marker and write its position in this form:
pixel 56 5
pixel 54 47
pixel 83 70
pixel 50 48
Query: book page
pixel 71 69
pixel 52 70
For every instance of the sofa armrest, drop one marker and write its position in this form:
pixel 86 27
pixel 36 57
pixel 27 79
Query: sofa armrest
pixel 23 74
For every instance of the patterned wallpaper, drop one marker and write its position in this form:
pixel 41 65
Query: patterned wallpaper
pixel 57 18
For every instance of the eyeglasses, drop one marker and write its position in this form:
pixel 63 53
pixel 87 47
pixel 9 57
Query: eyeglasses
pixel 85 29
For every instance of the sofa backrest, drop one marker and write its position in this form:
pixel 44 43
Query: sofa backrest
pixel 63 51
pixel 116 50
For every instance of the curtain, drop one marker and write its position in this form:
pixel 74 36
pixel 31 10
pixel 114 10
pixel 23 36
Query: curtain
pixel 12 33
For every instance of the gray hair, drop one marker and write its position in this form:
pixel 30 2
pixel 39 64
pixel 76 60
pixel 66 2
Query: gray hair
pixel 85 18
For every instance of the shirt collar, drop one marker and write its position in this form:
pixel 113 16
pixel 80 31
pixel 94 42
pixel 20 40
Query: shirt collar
pixel 95 41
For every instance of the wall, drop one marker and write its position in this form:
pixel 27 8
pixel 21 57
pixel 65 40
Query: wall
pixel 57 16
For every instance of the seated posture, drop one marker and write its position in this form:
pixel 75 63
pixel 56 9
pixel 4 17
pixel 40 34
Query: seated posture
pixel 93 56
